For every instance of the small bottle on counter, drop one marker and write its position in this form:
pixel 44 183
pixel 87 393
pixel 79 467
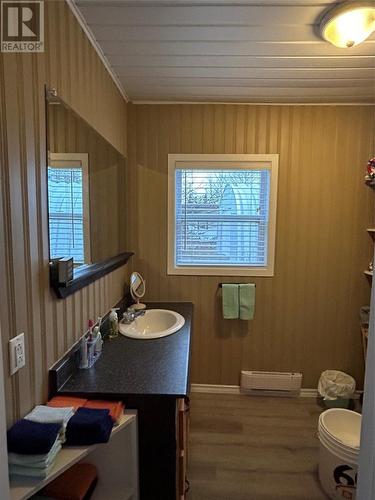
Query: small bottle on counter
pixel 83 353
pixel 98 341
pixel 90 352
pixel 113 323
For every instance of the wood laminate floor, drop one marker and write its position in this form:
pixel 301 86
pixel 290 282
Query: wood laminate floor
pixel 253 448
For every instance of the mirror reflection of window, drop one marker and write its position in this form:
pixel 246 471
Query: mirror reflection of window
pixel 68 206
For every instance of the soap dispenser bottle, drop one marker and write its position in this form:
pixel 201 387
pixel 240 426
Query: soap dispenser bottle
pixel 98 338
pixel 98 341
pixel 113 323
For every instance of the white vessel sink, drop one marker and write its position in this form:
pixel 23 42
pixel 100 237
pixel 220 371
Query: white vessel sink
pixel 155 323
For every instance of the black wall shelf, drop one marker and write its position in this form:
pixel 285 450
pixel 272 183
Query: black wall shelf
pixel 85 275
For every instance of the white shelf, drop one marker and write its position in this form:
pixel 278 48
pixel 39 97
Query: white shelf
pixel 22 487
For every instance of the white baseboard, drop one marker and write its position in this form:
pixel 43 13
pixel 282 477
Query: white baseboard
pixel 235 389
pixel 308 393
pixel 215 389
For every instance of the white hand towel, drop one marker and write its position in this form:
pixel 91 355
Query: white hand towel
pixel 36 461
pixel 50 415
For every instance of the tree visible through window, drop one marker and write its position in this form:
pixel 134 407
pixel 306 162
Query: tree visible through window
pixel 221 217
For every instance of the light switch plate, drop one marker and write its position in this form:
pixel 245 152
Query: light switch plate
pixel 17 353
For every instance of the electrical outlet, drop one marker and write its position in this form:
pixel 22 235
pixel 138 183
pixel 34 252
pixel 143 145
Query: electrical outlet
pixel 17 353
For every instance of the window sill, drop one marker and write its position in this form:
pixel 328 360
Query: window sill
pixel 217 271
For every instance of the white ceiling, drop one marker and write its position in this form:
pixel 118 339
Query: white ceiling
pixel 231 51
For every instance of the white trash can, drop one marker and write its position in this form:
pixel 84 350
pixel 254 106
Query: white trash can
pixel 339 434
pixel 336 388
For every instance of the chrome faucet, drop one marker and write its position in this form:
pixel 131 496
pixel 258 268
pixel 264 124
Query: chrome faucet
pixel 130 315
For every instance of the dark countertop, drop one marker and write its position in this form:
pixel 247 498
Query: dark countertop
pixel 157 367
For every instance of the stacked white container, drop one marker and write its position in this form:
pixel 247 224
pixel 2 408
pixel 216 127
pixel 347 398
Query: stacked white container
pixel 339 434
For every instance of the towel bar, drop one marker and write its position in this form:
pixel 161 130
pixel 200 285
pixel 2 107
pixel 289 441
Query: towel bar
pixel 220 285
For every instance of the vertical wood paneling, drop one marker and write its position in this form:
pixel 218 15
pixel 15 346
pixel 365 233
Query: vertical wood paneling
pixel 307 314
pixel 26 302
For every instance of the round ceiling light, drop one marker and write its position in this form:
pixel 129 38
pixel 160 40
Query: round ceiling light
pixel 348 24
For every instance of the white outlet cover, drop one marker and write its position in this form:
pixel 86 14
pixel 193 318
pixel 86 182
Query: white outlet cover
pixel 17 353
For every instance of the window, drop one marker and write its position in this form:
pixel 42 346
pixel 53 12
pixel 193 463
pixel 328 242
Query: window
pixel 68 206
pixel 222 214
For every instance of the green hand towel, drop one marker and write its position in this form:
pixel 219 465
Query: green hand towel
pixel 230 301
pixel 247 300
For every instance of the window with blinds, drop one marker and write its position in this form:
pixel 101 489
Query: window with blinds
pixel 223 216
pixel 66 210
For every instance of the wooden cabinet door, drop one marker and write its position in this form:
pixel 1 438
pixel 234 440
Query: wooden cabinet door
pixel 182 424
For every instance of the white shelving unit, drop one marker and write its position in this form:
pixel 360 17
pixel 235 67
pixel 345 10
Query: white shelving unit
pixel 369 274
pixel 116 461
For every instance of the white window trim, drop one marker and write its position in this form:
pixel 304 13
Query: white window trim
pixel 217 161
pixel 64 160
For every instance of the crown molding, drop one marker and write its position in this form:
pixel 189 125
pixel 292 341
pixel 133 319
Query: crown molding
pixel 238 103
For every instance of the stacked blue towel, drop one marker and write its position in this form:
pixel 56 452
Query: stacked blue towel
pixel 89 426
pixel 32 438
pixel 33 447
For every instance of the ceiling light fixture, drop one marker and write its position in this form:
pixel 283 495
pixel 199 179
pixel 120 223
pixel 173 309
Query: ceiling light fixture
pixel 348 24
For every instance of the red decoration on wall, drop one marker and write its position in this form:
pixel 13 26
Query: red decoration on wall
pixel 370 170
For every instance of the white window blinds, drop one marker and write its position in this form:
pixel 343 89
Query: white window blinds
pixel 221 217
pixel 66 218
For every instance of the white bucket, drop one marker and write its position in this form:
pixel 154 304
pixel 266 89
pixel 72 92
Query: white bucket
pixel 343 425
pixel 344 455
pixel 339 435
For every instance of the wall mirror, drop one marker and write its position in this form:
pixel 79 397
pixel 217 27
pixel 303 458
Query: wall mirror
pixel 86 191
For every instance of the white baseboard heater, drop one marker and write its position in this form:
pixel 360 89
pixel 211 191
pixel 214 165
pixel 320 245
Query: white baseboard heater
pixel 271 383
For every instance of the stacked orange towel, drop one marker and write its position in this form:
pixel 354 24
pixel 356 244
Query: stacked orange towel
pixel 77 483
pixel 116 408
pixel 67 401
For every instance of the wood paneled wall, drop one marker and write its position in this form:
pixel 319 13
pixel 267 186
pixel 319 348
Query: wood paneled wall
pixel 307 314
pixel 71 65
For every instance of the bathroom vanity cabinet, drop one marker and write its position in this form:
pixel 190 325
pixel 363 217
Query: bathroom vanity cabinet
pixel 182 426
pixel 151 377
pixel 163 447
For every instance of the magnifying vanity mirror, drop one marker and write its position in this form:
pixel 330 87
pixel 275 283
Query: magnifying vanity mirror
pixel 137 290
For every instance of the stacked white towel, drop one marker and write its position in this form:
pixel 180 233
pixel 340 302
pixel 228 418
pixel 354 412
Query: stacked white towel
pixel 34 465
pixel 50 415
